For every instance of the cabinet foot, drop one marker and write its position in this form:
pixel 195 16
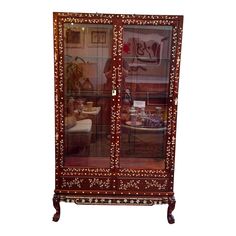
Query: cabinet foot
pixel 56 204
pixel 171 207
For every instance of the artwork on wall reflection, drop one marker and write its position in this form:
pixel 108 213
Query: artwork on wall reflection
pixel 147 51
pixel 74 38
pixel 97 37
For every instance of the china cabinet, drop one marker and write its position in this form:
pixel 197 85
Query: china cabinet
pixel 116 87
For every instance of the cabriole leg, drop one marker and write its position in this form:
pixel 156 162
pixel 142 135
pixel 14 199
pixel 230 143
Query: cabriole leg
pixel 171 207
pixel 56 204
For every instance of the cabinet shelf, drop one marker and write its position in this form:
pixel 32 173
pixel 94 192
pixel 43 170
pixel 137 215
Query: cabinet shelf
pixel 106 94
pixel 92 93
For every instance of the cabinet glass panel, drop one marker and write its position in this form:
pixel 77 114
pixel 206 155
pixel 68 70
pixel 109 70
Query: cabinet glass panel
pixel 87 93
pixel 144 93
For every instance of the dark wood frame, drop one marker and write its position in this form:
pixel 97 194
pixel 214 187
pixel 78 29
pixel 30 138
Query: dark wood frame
pixel 115 185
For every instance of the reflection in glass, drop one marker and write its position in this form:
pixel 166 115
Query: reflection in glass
pixel 87 93
pixel 146 52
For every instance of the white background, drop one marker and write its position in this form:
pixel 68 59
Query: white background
pixel 205 156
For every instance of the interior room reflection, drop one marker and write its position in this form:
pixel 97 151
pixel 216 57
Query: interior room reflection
pixel 88 95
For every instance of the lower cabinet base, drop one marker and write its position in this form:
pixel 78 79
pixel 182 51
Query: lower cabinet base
pixel 99 200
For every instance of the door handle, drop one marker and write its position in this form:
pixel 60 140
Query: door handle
pixel 113 93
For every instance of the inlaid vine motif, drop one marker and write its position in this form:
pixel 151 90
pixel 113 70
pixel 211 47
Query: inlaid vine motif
pixel 156 184
pixel 130 184
pixel 76 182
pixel 99 182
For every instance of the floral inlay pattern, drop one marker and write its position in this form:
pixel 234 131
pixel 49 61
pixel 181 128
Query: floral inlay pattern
pixel 155 183
pixel 129 184
pixel 76 182
pixel 100 183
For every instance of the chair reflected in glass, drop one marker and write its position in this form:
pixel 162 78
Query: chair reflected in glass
pixel 78 135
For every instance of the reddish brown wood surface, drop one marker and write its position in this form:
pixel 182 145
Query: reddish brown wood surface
pixel 112 180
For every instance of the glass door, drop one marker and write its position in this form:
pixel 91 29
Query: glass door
pixel 144 95
pixel 87 94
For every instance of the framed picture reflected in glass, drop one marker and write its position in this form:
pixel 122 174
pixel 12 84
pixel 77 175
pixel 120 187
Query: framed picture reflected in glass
pixel 98 37
pixel 74 37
